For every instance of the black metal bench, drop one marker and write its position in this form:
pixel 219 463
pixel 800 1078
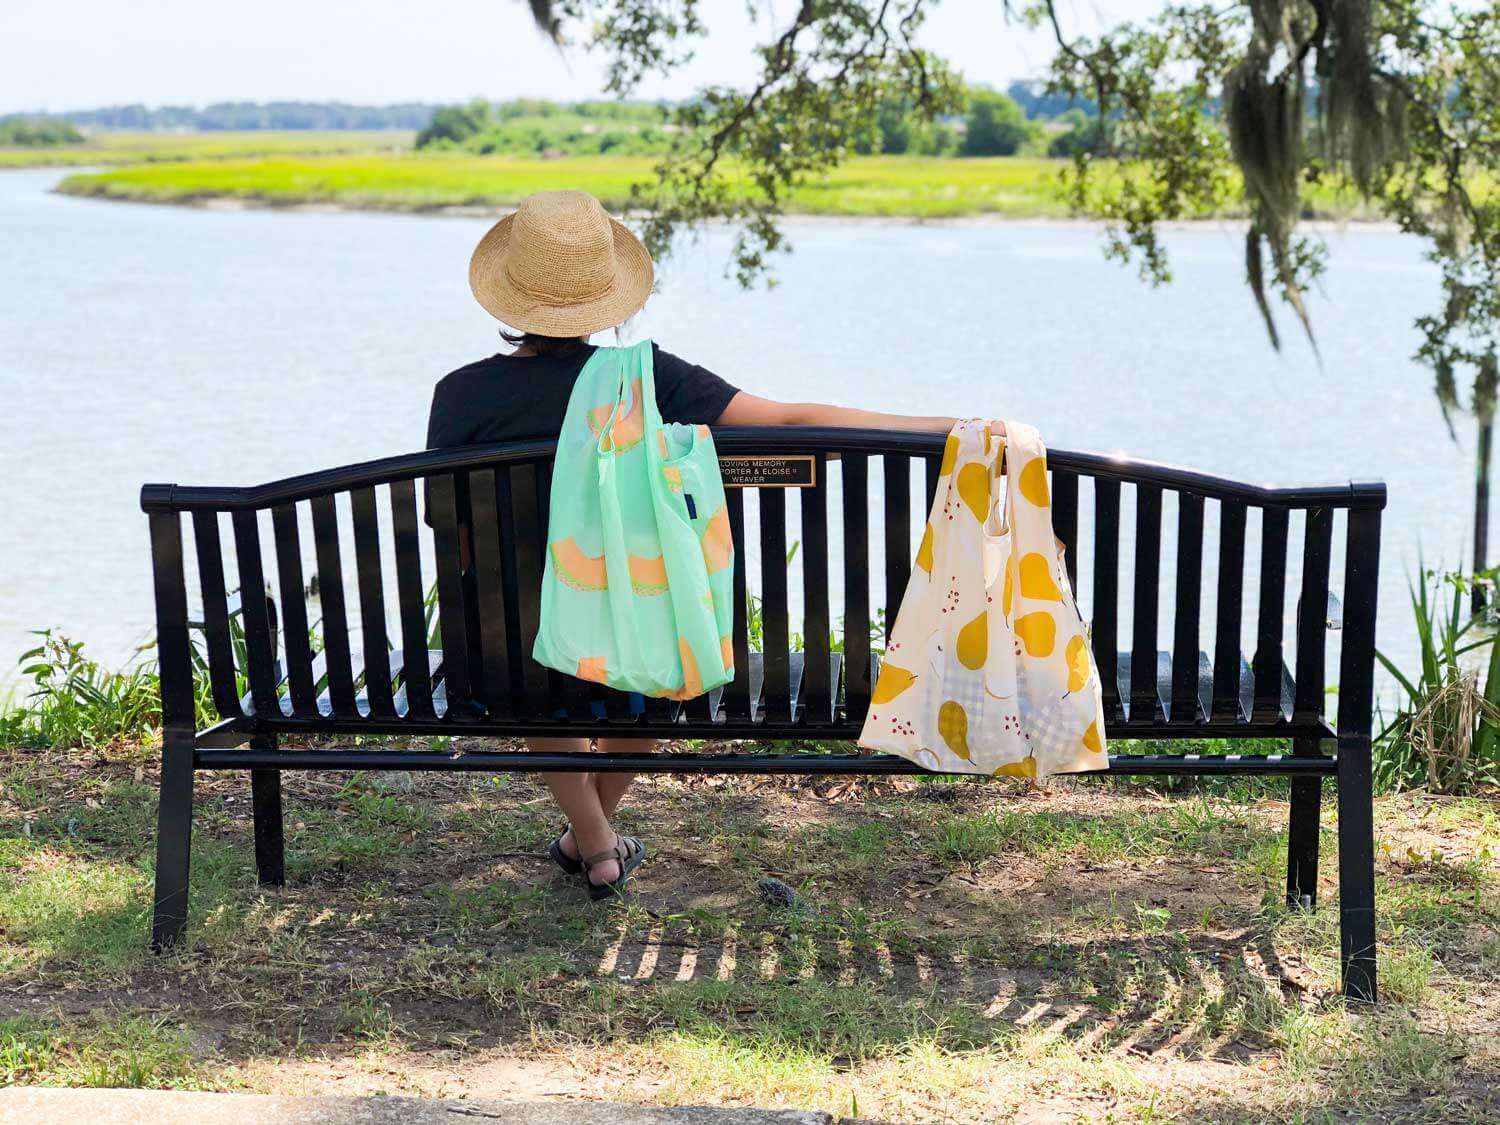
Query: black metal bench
pixel 314 677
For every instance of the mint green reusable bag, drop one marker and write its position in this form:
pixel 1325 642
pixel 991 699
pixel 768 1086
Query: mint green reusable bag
pixel 638 587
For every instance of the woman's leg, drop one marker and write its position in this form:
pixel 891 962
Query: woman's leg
pixel 611 786
pixel 579 800
pixel 608 788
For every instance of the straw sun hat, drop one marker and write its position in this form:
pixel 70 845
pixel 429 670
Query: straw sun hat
pixel 559 266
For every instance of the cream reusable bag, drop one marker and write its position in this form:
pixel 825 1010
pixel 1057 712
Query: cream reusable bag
pixel 989 669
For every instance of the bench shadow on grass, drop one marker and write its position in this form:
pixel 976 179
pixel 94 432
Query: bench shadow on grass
pixel 498 949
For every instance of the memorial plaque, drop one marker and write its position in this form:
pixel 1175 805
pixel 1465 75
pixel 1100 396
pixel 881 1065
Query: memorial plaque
pixel 799 471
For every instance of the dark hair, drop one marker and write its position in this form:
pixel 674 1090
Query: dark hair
pixel 540 345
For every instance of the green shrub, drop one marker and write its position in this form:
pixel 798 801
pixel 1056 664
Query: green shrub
pixel 24 133
pixel 1444 736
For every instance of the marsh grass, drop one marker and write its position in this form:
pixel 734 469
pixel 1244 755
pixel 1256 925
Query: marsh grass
pixel 875 186
pixel 963 951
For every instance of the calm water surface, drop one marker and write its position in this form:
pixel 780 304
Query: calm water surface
pixel 223 347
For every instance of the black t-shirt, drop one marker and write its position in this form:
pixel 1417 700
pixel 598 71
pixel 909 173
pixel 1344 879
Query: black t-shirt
pixel 516 398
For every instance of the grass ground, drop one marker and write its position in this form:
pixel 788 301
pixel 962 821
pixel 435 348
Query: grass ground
pixel 963 952
pixel 134 148
pixel 882 186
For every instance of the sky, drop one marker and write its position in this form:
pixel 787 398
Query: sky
pixel 60 55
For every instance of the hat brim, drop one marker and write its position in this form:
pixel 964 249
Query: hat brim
pixel 492 288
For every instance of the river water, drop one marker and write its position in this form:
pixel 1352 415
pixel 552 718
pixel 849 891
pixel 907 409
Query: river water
pixel 143 343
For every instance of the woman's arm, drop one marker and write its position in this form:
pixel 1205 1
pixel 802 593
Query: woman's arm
pixel 748 410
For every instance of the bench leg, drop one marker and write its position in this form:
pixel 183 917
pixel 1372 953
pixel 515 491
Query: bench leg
pixel 1356 870
pixel 265 801
pixel 174 838
pixel 1302 834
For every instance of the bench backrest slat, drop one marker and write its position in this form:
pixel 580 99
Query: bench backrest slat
pixel 1144 703
pixel 486 589
pixel 817 689
pixel 775 629
pixel 1105 630
pixel 1357 646
pixel 1271 612
pixel 854 469
pixel 736 696
pixel 1231 587
pixel 217 642
pixel 260 650
pixel 1187 608
pixel 296 632
pixel 526 508
pixel 336 655
pixel 377 690
pixel 897 469
pixel 1065 520
pixel 173 642
pixel 411 593
pixel 453 620
pixel 1312 613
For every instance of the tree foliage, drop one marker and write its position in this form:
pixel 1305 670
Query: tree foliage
pixel 824 77
pixel 1396 100
pixel 995 125
pixel 26 132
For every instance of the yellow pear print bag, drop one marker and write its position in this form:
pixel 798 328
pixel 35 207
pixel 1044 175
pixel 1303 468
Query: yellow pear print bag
pixel 989 668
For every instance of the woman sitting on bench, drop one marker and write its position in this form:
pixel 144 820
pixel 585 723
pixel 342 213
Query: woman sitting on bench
pixel 555 272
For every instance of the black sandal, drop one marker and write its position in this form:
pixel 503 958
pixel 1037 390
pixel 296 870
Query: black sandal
pixel 630 853
pixel 569 865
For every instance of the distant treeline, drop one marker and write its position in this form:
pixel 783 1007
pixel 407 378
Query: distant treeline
pixel 29 132
pixel 1024 119
pixel 242 116
pixel 532 125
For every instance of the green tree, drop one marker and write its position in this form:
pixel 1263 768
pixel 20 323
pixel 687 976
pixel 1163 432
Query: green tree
pixel 1084 135
pixel 1395 99
pixel 995 125
pixel 26 132
pixel 457 123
